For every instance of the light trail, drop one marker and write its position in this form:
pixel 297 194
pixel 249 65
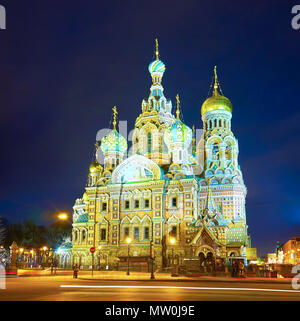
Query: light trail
pixel 174 287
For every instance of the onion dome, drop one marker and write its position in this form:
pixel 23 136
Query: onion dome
pixel 216 101
pixel 178 132
pixel 157 66
pixel 114 142
pixel 95 166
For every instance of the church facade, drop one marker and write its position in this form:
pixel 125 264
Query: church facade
pixel 168 198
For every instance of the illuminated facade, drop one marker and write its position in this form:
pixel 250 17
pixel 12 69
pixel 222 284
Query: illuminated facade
pixel 291 251
pixel 166 187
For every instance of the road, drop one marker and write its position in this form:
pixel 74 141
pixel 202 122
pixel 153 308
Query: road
pixel 64 288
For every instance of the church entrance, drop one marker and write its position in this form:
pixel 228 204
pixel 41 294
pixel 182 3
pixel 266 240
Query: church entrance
pixel 206 262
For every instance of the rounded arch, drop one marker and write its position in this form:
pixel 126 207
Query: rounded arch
pixel 135 168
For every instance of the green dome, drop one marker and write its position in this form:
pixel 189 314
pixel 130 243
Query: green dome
pixel 178 133
pixel 113 142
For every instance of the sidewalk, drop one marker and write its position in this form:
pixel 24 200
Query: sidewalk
pixel 142 276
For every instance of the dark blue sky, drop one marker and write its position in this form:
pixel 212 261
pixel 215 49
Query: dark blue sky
pixel 65 63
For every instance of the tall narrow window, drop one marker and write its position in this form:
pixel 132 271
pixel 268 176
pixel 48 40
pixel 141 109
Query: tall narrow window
pixel 146 233
pixel 126 232
pixel 147 203
pixel 136 233
pixel 126 205
pixel 173 231
pixel 103 234
pixel 160 146
pixel 149 142
pixel 83 235
pixel 104 207
pixel 174 201
pixel 136 203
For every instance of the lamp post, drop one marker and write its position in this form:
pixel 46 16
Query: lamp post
pixel 99 258
pixel 173 241
pixel 44 256
pixel 128 240
pixel 21 256
pixel 152 277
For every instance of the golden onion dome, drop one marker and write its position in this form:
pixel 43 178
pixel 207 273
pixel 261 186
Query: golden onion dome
pixel 95 166
pixel 216 101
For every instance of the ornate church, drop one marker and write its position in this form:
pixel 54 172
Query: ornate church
pixel 169 198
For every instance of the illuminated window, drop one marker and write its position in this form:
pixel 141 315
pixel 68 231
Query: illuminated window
pixel 136 233
pixel 149 142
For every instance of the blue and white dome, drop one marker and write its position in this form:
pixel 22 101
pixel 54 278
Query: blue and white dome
pixel 113 142
pixel 178 133
pixel 157 66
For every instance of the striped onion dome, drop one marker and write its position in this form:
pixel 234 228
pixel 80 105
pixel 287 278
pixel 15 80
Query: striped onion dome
pixel 157 66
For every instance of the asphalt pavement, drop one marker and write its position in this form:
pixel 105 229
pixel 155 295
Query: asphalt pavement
pixel 65 288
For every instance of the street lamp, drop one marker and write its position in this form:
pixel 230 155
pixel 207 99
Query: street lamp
pixel 128 240
pixel 99 258
pixel 62 216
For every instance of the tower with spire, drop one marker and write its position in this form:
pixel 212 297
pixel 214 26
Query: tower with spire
pixel 156 116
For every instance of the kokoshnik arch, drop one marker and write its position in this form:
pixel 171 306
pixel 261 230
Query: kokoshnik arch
pixel 168 187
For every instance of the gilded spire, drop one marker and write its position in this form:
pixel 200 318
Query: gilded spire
pixel 194 141
pixel 178 104
pixel 216 85
pixel 115 113
pixel 96 149
pixel 156 49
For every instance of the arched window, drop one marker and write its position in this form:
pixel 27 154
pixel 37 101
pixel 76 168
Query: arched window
pixel 215 151
pixel 76 236
pixel 160 144
pixel 83 235
pixel 215 122
pixel 228 152
pixel 220 123
pixel 149 142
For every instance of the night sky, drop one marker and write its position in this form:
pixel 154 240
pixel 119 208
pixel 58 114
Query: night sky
pixel 64 64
